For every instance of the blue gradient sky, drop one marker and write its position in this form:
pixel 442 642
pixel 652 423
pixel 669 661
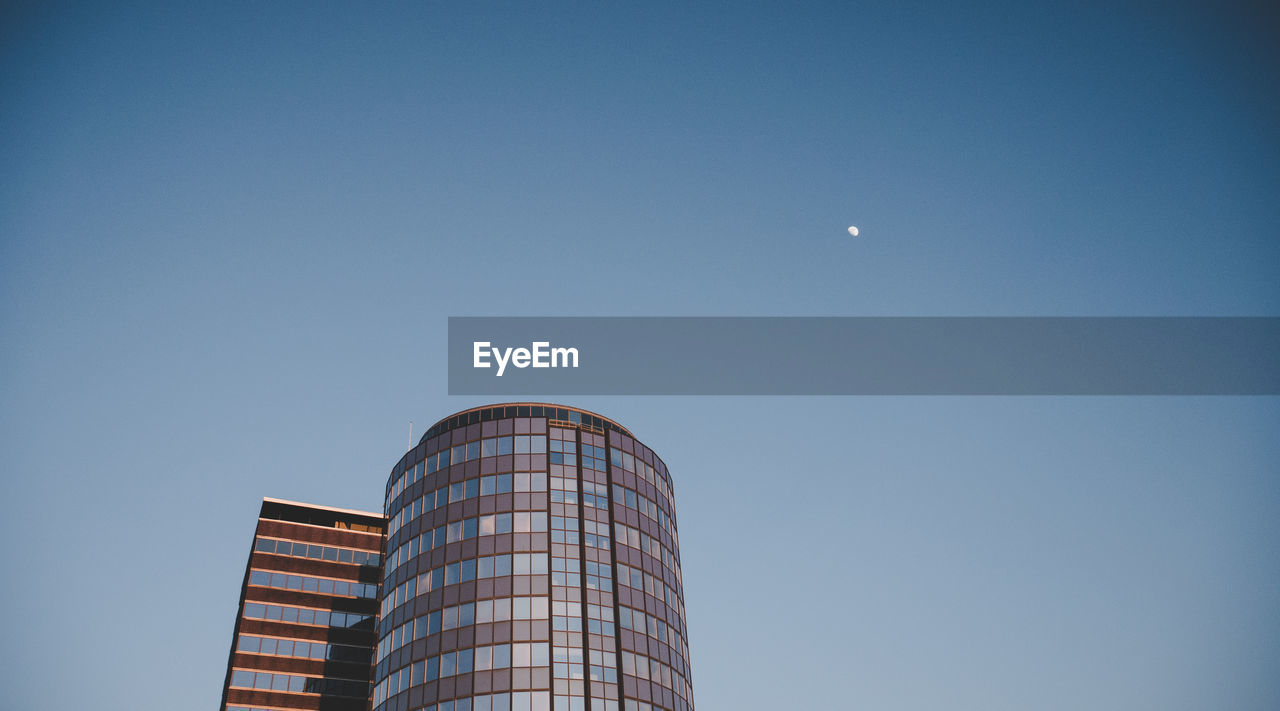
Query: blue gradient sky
pixel 230 236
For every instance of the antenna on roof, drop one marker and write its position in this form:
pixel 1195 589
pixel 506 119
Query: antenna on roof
pixel 410 434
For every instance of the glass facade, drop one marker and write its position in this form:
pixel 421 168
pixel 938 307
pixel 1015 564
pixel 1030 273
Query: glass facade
pixel 306 627
pixel 532 564
pixel 528 560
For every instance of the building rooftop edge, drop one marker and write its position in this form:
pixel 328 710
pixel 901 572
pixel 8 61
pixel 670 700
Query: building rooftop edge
pixel 520 403
pixel 335 509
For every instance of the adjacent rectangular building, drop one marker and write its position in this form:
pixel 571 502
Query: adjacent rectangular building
pixel 305 632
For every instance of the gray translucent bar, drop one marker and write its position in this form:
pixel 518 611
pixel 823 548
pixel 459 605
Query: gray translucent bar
pixel 874 356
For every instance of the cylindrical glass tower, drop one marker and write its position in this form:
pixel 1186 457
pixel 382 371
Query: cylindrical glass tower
pixel 532 563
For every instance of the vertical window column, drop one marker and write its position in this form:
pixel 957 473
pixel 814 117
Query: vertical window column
pixel 568 686
pixel 597 560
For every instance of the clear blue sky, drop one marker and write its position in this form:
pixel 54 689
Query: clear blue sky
pixel 230 235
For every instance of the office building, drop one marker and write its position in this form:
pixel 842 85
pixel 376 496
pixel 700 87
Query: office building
pixel 531 563
pixel 306 627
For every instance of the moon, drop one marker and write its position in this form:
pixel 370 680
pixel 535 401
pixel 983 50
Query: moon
pixel 853 231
